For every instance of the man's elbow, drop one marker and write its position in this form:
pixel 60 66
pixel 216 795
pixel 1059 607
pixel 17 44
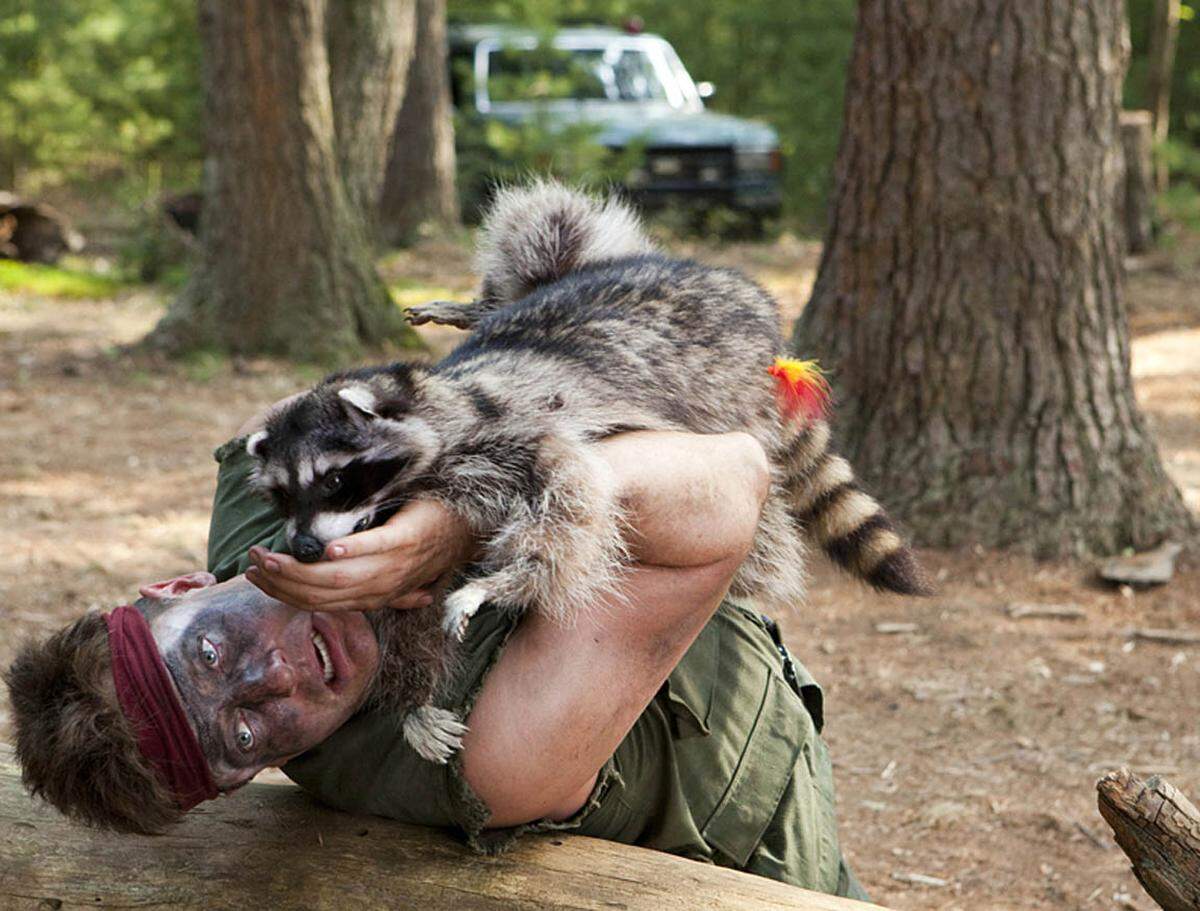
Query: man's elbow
pixel 749 475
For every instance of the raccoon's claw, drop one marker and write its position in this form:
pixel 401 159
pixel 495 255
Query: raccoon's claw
pixel 435 734
pixel 443 313
pixel 460 607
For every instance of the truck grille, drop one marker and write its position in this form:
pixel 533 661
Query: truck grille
pixel 704 166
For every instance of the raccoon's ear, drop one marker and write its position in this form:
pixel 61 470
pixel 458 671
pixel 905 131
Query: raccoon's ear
pixel 256 444
pixel 361 398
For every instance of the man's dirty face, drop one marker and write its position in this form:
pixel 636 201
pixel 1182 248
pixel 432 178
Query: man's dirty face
pixel 262 682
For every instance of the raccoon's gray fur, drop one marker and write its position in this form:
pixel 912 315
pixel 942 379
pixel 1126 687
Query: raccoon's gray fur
pixel 581 332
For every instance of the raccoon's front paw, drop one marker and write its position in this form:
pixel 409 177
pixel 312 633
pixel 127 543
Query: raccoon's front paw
pixel 443 313
pixel 460 607
pixel 436 734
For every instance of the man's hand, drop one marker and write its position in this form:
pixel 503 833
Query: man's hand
pixel 395 565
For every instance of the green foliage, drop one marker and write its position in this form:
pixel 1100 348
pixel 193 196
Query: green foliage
pixel 491 153
pixel 1180 204
pixel 55 281
pixel 98 87
pixel 1185 80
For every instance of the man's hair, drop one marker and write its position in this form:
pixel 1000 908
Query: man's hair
pixel 75 746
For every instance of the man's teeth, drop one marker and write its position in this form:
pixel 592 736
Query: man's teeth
pixel 323 652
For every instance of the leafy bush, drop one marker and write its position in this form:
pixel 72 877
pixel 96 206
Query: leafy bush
pixel 492 153
pixel 101 94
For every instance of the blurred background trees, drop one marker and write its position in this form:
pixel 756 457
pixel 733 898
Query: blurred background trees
pixel 104 96
pixel 419 184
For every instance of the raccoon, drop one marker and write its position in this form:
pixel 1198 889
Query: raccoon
pixel 581 330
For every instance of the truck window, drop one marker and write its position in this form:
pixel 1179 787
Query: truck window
pixel 543 74
pixel 574 74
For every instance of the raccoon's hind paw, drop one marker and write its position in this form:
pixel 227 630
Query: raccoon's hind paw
pixel 436 734
pixel 460 607
pixel 444 313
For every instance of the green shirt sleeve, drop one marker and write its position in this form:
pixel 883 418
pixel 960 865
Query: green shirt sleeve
pixel 241 518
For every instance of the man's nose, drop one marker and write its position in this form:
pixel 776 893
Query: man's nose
pixel 274 679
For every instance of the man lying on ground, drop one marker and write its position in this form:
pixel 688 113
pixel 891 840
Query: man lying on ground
pixel 673 719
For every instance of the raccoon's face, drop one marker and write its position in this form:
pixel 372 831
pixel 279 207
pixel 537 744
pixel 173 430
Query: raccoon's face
pixel 339 460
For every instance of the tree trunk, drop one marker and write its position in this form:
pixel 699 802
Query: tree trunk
pixel 969 298
pixel 419 186
pixel 370 52
pixel 286 265
pixel 1136 203
pixel 1164 35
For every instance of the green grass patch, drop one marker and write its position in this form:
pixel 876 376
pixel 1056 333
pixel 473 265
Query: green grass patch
pixel 55 281
pixel 204 365
pixel 409 293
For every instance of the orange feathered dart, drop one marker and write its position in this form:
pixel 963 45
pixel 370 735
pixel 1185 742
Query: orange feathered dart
pixel 801 388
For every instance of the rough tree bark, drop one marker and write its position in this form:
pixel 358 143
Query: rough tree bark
pixel 286 265
pixel 1159 831
pixel 419 186
pixel 969 299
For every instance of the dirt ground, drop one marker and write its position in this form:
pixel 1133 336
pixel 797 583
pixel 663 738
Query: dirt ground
pixel 966 749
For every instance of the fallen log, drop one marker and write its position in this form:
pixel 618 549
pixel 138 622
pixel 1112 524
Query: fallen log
pixel 270 846
pixel 1159 830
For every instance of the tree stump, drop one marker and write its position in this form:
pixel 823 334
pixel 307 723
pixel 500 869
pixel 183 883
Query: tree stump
pixel 271 846
pixel 1159 830
pixel 1137 202
pixel 34 232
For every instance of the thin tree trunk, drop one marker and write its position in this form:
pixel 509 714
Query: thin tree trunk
pixel 287 263
pixel 1164 34
pixel 969 299
pixel 420 186
pixel 370 52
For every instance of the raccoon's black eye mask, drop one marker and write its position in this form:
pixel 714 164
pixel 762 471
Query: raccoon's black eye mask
pixel 358 482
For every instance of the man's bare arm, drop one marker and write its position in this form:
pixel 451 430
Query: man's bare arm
pixel 560 699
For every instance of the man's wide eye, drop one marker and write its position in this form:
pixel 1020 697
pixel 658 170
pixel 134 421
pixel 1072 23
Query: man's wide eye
pixel 333 482
pixel 208 653
pixel 244 736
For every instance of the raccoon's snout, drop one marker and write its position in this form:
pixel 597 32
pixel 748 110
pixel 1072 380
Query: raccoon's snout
pixel 306 548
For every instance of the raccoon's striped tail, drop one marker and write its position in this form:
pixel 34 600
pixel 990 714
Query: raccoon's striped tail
pixel 850 526
pixel 535 234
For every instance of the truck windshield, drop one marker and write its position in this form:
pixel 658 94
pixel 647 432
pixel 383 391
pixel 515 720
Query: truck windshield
pixel 574 74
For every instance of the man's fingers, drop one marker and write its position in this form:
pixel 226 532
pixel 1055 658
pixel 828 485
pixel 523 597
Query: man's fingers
pixel 331 600
pixel 298 594
pixel 325 574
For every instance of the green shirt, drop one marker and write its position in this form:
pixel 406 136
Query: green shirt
pixel 725 765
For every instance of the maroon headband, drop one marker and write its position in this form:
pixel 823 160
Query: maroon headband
pixel 148 699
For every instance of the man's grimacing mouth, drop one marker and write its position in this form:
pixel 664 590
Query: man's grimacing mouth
pixel 324 660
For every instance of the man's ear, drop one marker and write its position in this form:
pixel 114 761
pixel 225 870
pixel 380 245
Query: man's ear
pixel 360 397
pixel 256 444
pixel 173 588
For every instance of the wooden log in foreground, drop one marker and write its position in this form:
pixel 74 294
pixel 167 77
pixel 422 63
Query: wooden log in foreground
pixel 1159 829
pixel 270 846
